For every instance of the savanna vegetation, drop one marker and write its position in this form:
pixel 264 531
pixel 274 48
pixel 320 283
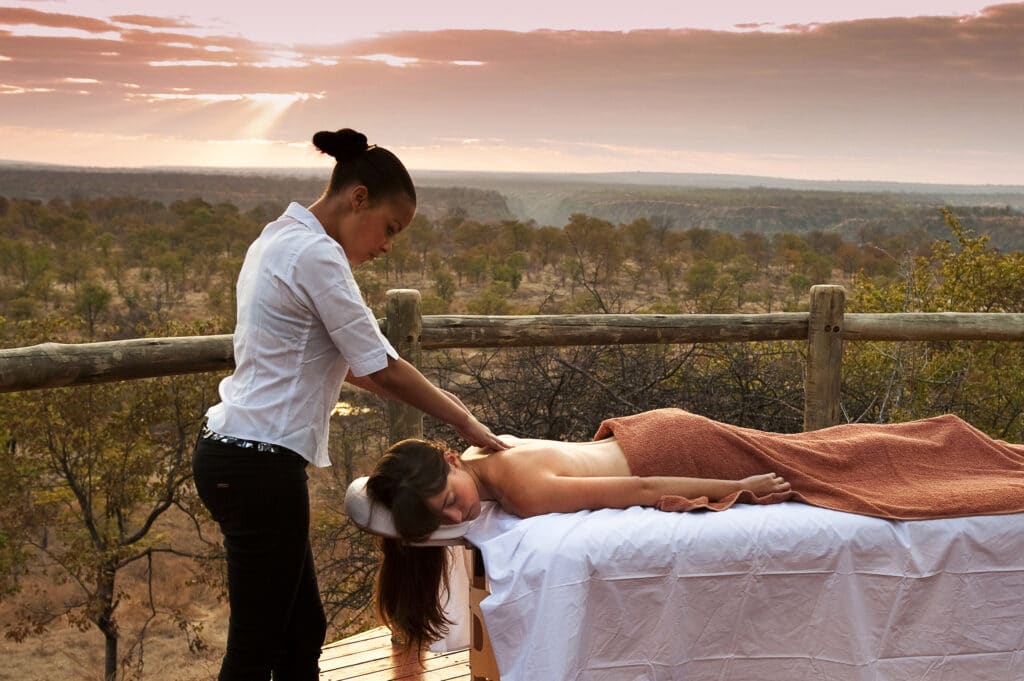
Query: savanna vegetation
pixel 109 565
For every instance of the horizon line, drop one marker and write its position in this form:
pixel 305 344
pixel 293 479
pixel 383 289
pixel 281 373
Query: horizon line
pixel 273 170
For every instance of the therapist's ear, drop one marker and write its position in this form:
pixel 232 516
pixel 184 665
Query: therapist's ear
pixel 359 196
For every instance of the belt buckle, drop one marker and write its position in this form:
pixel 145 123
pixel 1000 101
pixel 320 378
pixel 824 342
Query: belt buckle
pixel 261 447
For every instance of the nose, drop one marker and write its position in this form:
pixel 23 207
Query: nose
pixel 386 248
pixel 452 516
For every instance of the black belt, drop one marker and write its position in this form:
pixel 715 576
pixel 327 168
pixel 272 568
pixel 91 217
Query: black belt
pixel 264 447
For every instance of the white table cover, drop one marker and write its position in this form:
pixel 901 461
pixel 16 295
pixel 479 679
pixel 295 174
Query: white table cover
pixel 788 591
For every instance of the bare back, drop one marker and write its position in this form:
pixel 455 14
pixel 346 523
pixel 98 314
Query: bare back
pixel 570 459
pixel 515 472
pixel 548 476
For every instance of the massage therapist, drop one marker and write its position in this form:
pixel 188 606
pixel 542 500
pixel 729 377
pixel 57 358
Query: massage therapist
pixel 302 330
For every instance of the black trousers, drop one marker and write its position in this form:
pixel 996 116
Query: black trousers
pixel 261 501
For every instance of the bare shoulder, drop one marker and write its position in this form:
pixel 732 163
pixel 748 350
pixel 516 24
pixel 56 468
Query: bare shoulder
pixel 510 440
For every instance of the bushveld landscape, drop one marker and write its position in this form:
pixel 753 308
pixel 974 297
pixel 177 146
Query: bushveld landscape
pixel 104 549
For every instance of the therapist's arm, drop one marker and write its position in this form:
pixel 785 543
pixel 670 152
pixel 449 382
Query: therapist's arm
pixel 402 381
pixel 366 383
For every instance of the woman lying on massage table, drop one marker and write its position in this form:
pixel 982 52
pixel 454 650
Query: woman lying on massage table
pixel 531 478
pixel 676 460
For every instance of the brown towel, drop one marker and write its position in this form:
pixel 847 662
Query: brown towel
pixel 939 467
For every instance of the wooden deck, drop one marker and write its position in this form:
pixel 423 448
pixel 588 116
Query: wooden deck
pixel 369 656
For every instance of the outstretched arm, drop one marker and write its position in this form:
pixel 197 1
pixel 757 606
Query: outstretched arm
pixel 402 381
pixel 563 494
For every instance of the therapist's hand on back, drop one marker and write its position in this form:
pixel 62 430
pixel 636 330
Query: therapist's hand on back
pixel 476 433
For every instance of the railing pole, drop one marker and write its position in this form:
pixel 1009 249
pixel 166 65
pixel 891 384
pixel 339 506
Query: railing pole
pixel 824 357
pixel 403 328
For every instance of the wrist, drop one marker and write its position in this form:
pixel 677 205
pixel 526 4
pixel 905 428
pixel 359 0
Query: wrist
pixel 461 419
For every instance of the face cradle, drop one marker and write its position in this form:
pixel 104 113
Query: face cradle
pixel 459 501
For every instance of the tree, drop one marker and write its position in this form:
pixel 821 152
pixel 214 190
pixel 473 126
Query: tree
pixel 700 278
pixel 172 276
pixel 511 269
pixel 493 300
pixel 13 522
pixel 102 465
pixel 516 235
pixel 477 265
pixel 472 235
pixel 849 258
pixel 549 245
pixel 564 393
pixel 91 303
pixel 799 286
pixel 32 267
pixel 668 270
pixel 422 237
pixel 723 247
pixel 741 271
pixel 759 250
pixel 981 381
pixel 595 260
pixel 73 264
pixel 641 240
pixel 708 287
pixel 444 285
pixel 597 248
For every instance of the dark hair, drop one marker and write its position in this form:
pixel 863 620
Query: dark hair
pixel 374 167
pixel 411 579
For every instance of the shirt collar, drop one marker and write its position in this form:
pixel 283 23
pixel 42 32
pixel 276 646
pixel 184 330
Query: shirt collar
pixel 300 213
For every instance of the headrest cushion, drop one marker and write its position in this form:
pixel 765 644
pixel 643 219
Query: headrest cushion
pixel 373 517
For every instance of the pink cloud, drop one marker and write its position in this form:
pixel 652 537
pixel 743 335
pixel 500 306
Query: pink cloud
pixel 14 16
pixel 881 86
pixel 152 22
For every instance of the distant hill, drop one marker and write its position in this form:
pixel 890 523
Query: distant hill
pixel 719 181
pixel 733 203
pixel 551 198
pixel 244 190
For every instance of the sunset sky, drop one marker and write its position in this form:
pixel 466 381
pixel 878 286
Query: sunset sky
pixel 913 91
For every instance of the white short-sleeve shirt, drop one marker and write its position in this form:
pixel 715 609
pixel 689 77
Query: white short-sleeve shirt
pixel 302 324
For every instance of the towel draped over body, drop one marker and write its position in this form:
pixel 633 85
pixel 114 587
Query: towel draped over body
pixel 939 467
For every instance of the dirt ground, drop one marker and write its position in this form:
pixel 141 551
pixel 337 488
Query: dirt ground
pixel 64 652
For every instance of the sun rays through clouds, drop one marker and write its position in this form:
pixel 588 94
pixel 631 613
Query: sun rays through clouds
pixel 917 98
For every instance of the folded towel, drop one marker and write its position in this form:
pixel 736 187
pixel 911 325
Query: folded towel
pixel 939 467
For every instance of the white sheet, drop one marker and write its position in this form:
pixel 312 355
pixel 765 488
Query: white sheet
pixel 788 591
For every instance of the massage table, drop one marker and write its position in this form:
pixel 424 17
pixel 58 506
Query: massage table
pixel 784 591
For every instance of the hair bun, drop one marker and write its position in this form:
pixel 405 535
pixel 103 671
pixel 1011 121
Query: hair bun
pixel 344 145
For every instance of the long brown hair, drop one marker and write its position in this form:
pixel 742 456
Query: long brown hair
pixel 411 579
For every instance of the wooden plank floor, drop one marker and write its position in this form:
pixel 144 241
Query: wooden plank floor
pixel 369 656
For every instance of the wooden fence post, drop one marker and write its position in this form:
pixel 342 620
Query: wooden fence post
pixel 403 328
pixel 824 357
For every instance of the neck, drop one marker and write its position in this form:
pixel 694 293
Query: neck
pixel 327 210
pixel 478 470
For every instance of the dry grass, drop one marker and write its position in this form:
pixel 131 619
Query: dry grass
pixel 64 651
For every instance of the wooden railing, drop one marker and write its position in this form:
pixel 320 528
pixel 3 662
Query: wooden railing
pixel 825 327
